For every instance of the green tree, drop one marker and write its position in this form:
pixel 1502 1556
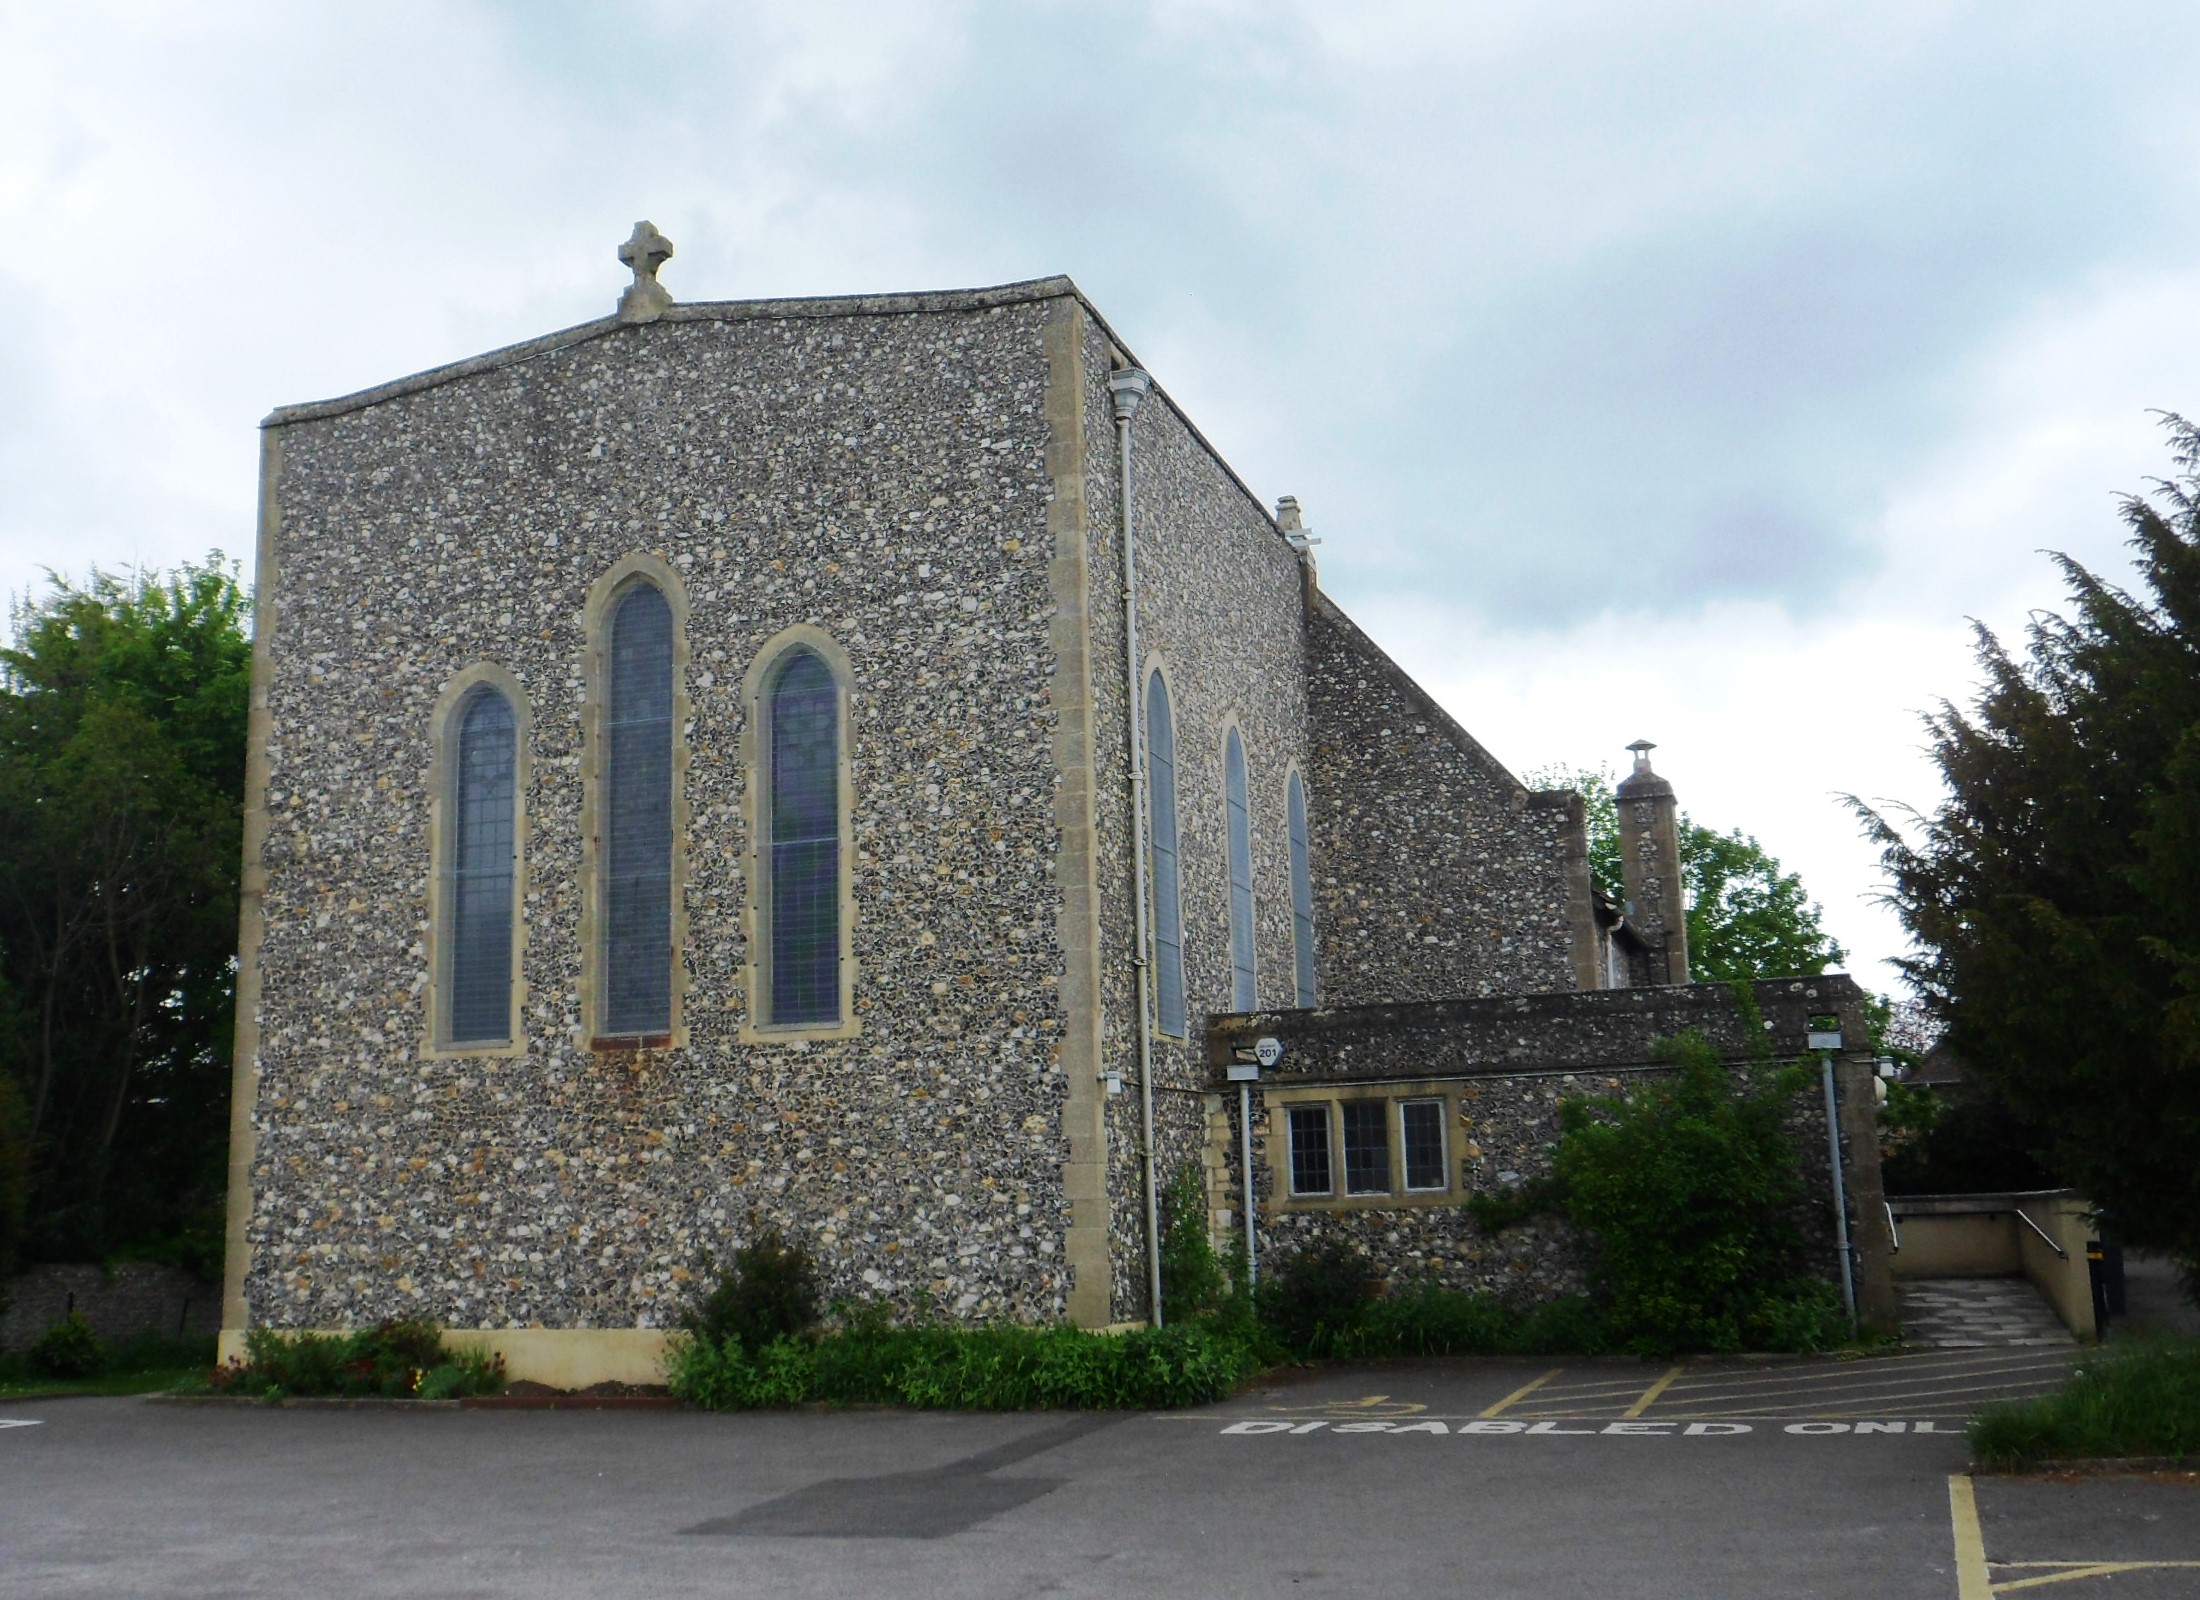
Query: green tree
pixel 122 718
pixel 1687 1190
pixel 1747 918
pixel 2054 893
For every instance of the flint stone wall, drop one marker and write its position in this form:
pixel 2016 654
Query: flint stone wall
pixel 1512 1060
pixel 132 1300
pixel 1438 873
pixel 1220 608
pixel 874 469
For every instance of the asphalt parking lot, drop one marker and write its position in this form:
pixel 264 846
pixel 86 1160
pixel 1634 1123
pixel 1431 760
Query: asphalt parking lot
pixel 1483 1478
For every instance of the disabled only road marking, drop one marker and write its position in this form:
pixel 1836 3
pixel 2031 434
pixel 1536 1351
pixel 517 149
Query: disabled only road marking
pixel 1591 1427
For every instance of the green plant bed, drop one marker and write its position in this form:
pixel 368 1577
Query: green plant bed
pixel 2138 1400
pixel 971 1369
pixel 399 1360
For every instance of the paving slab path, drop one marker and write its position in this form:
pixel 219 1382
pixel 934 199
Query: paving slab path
pixel 1978 1313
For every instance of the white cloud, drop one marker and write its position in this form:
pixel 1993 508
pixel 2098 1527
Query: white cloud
pixel 1702 367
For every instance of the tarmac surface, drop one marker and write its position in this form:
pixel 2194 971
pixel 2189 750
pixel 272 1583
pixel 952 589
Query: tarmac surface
pixel 1485 1478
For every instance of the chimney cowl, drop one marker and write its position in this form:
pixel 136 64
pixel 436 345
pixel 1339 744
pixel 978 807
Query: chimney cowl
pixel 1642 783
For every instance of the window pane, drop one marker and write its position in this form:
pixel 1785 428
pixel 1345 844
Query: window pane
pixel 478 883
pixel 1244 986
pixel 1310 1150
pixel 637 819
pixel 804 889
pixel 1302 897
pixel 1168 908
pixel 1366 1146
pixel 1423 1122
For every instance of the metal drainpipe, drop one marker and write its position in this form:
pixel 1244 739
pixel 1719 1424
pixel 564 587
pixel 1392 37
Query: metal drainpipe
pixel 1245 1163
pixel 1840 1191
pixel 1127 388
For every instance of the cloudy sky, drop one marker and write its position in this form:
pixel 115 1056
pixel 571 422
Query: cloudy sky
pixel 1657 369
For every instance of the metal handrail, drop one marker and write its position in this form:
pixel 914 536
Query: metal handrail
pixel 1894 1234
pixel 2043 1233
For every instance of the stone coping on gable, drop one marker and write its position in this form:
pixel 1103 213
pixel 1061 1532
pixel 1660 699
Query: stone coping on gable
pixel 843 305
pixel 1558 1032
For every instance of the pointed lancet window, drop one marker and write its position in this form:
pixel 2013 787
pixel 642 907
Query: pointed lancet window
pixel 636 846
pixel 479 871
pixel 803 867
pixel 1244 983
pixel 1302 897
pixel 1168 899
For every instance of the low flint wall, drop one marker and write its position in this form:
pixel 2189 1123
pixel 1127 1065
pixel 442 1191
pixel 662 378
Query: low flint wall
pixel 123 1303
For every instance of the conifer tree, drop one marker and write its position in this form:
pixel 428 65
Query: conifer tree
pixel 2054 893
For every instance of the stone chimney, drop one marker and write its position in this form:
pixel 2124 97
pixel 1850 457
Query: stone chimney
pixel 1650 867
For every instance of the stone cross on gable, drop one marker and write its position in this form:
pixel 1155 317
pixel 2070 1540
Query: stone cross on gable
pixel 645 251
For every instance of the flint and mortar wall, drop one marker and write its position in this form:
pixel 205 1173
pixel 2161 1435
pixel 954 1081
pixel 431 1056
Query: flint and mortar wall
pixel 875 469
pixel 133 1300
pixel 1220 608
pixel 1437 873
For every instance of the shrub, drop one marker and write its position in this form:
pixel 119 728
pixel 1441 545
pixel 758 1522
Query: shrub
pixel 1193 1284
pixel 770 1294
pixel 872 1361
pixel 68 1350
pixel 1686 1192
pixel 2137 1400
pixel 1318 1298
pixel 401 1359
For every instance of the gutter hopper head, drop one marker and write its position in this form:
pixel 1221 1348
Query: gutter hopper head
pixel 1127 388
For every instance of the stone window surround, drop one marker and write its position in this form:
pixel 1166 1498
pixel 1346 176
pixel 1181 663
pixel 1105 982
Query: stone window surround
pixel 1275 1144
pixel 442 777
pixel 756 793
pixel 596 675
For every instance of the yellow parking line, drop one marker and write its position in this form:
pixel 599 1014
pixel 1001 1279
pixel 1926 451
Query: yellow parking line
pixel 1650 1395
pixel 1973 1582
pixel 1522 1393
pixel 2091 1569
pixel 1698 1389
pixel 1887 1397
pixel 1822 1376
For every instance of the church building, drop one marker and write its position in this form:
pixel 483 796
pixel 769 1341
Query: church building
pixel 824 764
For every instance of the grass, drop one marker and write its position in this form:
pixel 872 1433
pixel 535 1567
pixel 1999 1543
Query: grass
pixel 146 1366
pixel 2141 1399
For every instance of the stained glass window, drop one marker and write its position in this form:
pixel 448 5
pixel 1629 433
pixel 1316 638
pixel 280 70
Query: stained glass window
pixel 1168 900
pixel 637 819
pixel 804 833
pixel 1244 984
pixel 1302 897
pixel 478 877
